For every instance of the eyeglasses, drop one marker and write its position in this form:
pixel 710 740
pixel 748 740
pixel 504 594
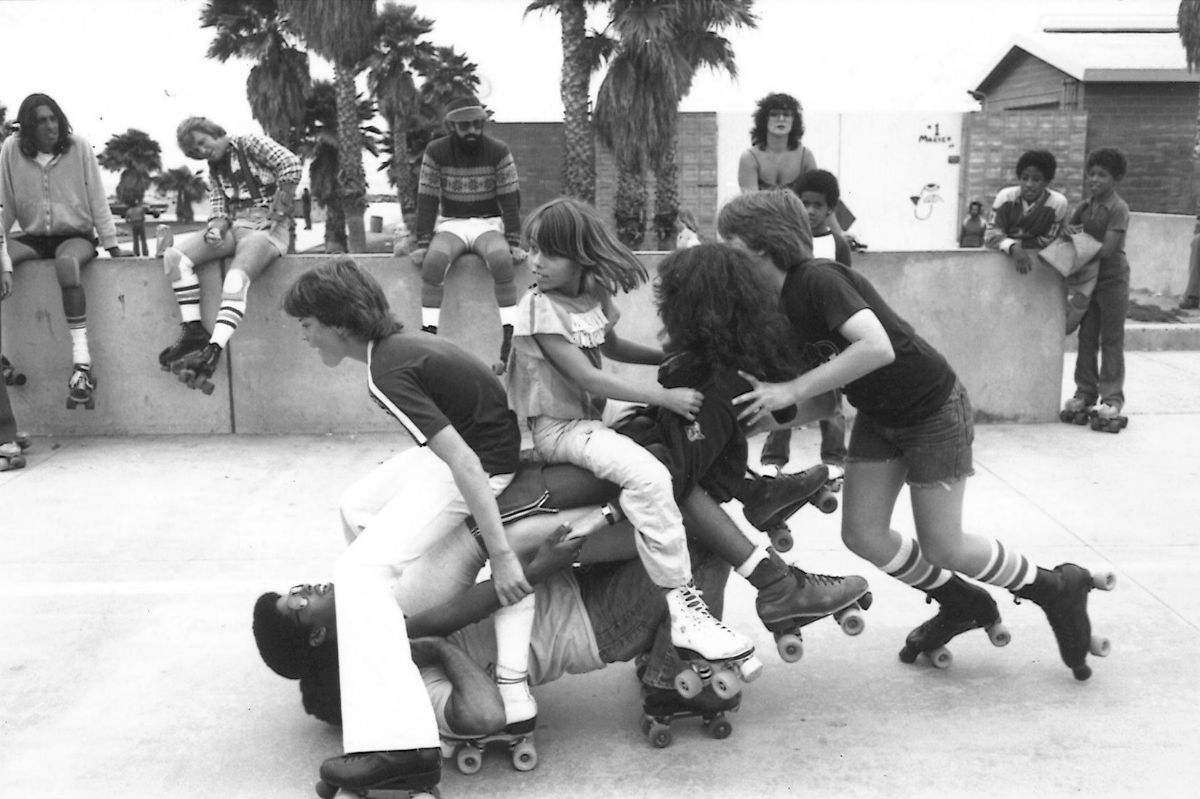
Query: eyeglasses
pixel 474 124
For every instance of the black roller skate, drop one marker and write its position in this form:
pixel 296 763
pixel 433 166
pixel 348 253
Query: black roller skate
pixel 414 770
pixel 10 374
pixel 768 502
pixel 661 706
pixel 12 453
pixel 197 368
pixel 790 599
pixel 1062 594
pixel 1107 418
pixel 963 607
pixel 1077 410
pixel 81 387
pixel 192 338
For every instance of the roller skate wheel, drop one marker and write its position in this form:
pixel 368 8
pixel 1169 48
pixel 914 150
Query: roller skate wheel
pixel 660 736
pixel 852 622
pixel 790 647
pixel 941 657
pixel 468 759
pixel 725 684
pixel 999 635
pixel 524 756
pixel 781 539
pixel 908 654
pixel 721 728
pixel 751 669
pixel 826 501
pixel 1081 418
pixel 1066 417
pixel 17 380
pixel 1105 580
pixel 688 684
pixel 325 790
pixel 207 387
pixel 1100 646
pixel 12 462
pixel 864 601
pixel 1082 672
pixel 646 722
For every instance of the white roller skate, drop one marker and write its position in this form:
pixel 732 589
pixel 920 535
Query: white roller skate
pixel 716 654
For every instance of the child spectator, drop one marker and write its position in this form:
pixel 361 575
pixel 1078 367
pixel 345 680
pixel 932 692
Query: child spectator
pixel 973 226
pixel 1028 216
pixel 1100 361
pixel 563 326
pixel 819 192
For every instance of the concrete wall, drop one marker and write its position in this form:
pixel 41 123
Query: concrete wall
pixel 999 330
pixel 1158 248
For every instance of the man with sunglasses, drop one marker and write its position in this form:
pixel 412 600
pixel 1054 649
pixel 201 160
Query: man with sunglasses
pixel 468 200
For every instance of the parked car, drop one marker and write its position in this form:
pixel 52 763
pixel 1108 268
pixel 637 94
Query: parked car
pixel 154 208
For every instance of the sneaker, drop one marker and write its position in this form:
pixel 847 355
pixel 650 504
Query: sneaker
pixel 694 630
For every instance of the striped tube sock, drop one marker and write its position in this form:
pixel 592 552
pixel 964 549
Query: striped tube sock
pixel 1006 568
pixel 187 287
pixel 909 566
pixel 233 307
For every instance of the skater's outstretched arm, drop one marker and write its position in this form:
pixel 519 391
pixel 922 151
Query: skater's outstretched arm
pixel 474 706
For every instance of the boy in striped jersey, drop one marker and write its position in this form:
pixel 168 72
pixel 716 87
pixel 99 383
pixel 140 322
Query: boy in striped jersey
pixel 468 200
pixel 1028 216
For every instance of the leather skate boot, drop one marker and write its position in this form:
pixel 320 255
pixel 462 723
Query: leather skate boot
pixel 788 595
pixel 768 501
pixel 197 369
pixel 962 607
pixel 520 708
pixel 192 338
pixel 403 769
pixel 1062 594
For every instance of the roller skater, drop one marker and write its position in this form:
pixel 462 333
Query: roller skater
pixel 10 374
pixel 962 607
pixel 81 387
pixel 914 423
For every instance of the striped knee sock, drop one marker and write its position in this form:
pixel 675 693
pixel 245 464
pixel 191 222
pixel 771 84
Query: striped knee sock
pixel 1006 568
pixel 909 566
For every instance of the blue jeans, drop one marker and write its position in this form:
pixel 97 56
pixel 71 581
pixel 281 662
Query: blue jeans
pixel 936 449
pixel 629 612
pixel 1100 361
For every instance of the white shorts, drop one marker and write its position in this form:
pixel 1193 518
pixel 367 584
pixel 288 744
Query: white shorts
pixel 469 229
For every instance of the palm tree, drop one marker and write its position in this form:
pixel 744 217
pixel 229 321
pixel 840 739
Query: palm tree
pixel 278 83
pixel 189 187
pixel 342 32
pixel 1189 34
pixel 660 47
pixel 136 156
pixel 6 127
pixel 582 55
pixel 392 83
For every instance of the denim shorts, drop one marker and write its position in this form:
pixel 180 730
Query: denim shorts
pixel 935 450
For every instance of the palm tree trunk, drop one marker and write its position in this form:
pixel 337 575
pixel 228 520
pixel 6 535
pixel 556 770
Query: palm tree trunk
pixel 666 192
pixel 352 180
pixel 400 174
pixel 629 206
pixel 579 145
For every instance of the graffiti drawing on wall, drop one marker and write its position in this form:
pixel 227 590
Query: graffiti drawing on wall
pixel 924 201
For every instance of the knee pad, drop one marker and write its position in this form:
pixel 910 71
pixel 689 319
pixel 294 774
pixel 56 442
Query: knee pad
pixel 434 268
pixel 177 266
pixel 236 285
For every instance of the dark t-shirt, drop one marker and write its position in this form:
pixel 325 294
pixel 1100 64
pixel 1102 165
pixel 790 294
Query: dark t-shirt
pixel 818 297
pixel 427 382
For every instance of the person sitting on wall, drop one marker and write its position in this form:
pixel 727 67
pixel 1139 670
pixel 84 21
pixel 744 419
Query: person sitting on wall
pixel 468 200
pixel 1028 216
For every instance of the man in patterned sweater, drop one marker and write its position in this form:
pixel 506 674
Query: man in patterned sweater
pixel 468 200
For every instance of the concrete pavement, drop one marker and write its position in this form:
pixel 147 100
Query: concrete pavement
pixel 127 667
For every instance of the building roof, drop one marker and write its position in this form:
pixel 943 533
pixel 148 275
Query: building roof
pixel 1101 56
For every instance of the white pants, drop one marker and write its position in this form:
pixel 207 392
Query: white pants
pixel 417 506
pixel 646 493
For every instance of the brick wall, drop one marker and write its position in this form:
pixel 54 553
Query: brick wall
pixel 538 150
pixel 1154 124
pixel 993 141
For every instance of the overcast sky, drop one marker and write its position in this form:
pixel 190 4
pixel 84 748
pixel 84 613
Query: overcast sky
pixel 835 55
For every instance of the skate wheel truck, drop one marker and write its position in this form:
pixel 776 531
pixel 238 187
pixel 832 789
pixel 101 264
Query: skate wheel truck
pixel 468 752
pixel 657 727
pixel 725 677
pixel 790 643
pixel 1108 424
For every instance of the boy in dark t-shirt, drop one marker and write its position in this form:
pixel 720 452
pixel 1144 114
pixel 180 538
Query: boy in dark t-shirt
pixel 468 444
pixel 915 425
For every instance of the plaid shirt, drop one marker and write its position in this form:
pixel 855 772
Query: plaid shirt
pixel 271 164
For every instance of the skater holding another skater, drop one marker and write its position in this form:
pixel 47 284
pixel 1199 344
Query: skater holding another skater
pixel 50 184
pixel 253 190
pixel 915 425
